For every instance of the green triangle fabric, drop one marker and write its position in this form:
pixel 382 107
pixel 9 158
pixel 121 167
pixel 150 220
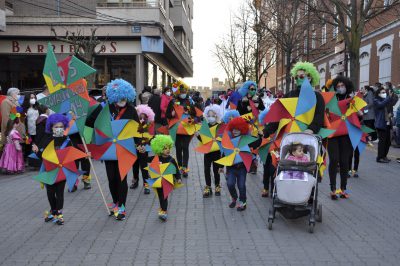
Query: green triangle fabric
pixel 246 140
pixel 324 132
pixel 88 134
pixel 171 170
pixel 205 129
pixel 78 70
pixel 366 129
pixel 50 66
pixel 103 121
pixel 263 152
pixel 301 125
pixel 173 130
pixel 47 177
pixel 333 106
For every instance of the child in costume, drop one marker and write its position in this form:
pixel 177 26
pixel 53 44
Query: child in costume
pixel 146 129
pixel 182 141
pixel 120 94
pixel 55 126
pixel 212 114
pixel 12 159
pixel 236 174
pixel 296 153
pixel 161 145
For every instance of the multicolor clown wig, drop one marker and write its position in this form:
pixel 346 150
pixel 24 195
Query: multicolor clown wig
pixel 145 109
pixel 160 142
pixel 213 108
pixel 119 89
pixel 54 119
pixel 246 86
pixel 229 114
pixel 240 124
pixel 309 68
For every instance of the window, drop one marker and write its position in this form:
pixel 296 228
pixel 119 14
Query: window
pixel 322 77
pixel 387 3
pixel 323 34
pixel 313 40
pixel 364 69
pixel 335 31
pixel 348 22
pixel 305 42
pixel 385 63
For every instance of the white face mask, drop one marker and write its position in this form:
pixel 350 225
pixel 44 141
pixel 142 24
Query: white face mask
pixel 341 90
pixel 383 95
pixel 168 93
pixel 182 96
pixel 121 103
pixel 211 119
pixel 58 132
pixel 32 101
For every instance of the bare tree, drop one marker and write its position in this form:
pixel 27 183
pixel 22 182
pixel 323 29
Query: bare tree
pixel 351 17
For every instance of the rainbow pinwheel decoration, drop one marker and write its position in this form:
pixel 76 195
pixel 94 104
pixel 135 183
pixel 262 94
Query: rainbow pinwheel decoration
pixel 161 175
pixel 236 150
pixel 113 141
pixel 293 114
pixel 267 144
pixel 59 165
pixel 210 141
pixel 182 124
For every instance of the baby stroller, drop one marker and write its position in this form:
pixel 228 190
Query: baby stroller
pixel 296 196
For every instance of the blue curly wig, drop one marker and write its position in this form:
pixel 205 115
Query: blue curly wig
pixel 119 89
pixel 54 119
pixel 262 115
pixel 245 87
pixel 229 114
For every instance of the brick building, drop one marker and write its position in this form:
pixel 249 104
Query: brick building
pixel 147 42
pixel 324 46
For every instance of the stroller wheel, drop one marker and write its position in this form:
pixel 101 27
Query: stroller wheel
pixel 318 217
pixel 311 227
pixel 270 221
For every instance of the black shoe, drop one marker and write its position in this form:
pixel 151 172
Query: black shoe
pixel 241 206
pixel 355 175
pixel 134 185
pixel 232 204
pixel 87 186
pixel 185 175
pixel 75 188
pixel 381 160
pixel 398 160
pixel 387 159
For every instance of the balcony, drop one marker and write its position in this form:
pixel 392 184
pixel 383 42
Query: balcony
pixel 9 9
pixel 130 3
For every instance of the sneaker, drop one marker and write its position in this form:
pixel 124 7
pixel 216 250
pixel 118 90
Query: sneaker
pixel 398 160
pixel 333 195
pixel 146 189
pixel 381 160
pixel 120 214
pixel 241 206
pixel 113 207
pixel 232 204
pixel 264 193
pixel 185 172
pixel 218 190
pixel 350 174
pixel 355 174
pixel 162 215
pixel 179 181
pixel 135 184
pixel 344 194
pixel 86 185
pixel 60 219
pixel 48 216
pixel 86 182
pixel 387 159
pixel 207 192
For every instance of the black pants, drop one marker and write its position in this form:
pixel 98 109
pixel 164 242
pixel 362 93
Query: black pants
pixel 55 195
pixel 141 163
pixel 118 188
pixel 356 155
pixel 269 173
pixel 163 202
pixel 209 159
pixel 371 124
pixel 384 143
pixel 85 165
pixel 339 151
pixel 182 149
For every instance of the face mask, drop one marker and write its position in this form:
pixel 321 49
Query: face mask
pixel 182 96
pixel 211 119
pixel 168 93
pixel 341 90
pixel 299 81
pixel 256 104
pixel 121 103
pixel 252 92
pixel 383 95
pixel 32 101
pixel 58 132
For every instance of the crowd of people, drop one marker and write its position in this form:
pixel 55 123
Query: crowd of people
pixel 27 128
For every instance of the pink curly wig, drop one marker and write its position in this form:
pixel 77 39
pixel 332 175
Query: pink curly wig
pixel 145 109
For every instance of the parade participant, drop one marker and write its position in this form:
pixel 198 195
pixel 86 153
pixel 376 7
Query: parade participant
pixel 236 174
pixel 212 114
pixel 268 98
pixel 84 163
pixel 161 145
pixel 55 126
pixel 120 94
pixel 146 129
pixel 12 159
pixel 166 97
pixel 247 91
pixel 182 141
pixel 339 145
pixel 13 95
pixel 382 124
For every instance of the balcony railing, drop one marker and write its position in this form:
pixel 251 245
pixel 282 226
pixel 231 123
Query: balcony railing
pixel 9 5
pixel 130 3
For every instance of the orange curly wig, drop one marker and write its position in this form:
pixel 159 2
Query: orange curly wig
pixel 240 124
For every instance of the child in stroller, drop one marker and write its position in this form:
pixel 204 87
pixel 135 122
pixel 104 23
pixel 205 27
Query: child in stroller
pixel 297 154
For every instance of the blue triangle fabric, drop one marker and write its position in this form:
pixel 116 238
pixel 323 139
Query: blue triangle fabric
pixel 307 98
pixel 110 154
pixel 355 134
pixel 71 178
pixel 117 126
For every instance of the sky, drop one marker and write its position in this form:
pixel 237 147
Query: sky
pixel 211 20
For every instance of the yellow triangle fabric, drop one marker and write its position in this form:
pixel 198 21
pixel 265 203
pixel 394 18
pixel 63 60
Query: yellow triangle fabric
pixel 290 104
pixel 169 178
pixel 157 184
pixel 282 123
pixel 227 160
pixel 129 130
pixel 50 154
pixel 307 117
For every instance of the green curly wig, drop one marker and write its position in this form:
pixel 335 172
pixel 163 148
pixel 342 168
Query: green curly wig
pixel 159 142
pixel 309 68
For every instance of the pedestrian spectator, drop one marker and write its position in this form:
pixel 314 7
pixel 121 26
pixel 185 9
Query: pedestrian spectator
pixel 44 93
pixel 382 124
pixel 166 97
pixel 145 95
pixel 12 159
pixel 13 95
pixel 268 99
pixel 397 131
pixel 30 106
pixel 208 102
pixel 369 112
pixel 224 100
pixel 155 104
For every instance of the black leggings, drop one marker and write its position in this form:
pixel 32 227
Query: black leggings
pixel 339 151
pixel 209 159
pixel 141 163
pixel 118 188
pixel 182 149
pixel 163 202
pixel 85 165
pixel 55 195
pixel 384 143
pixel 269 173
pixel 356 154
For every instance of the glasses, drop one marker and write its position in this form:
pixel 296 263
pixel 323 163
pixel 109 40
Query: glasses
pixel 252 89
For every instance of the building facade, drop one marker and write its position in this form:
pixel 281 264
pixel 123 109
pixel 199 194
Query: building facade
pixel 146 42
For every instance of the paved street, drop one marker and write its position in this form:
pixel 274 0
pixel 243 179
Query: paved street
pixel 363 230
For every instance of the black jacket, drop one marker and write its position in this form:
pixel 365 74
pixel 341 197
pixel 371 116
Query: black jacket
pixel 155 104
